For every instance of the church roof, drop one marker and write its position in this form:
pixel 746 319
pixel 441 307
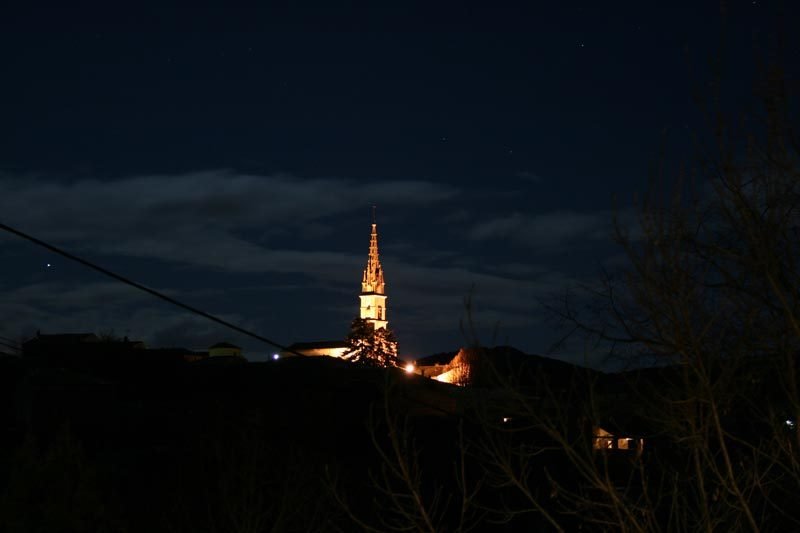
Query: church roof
pixel 443 358
pixel 63 338
pixel 317 345
pixel 225 345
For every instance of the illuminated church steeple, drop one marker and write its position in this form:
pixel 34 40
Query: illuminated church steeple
pixel 373 287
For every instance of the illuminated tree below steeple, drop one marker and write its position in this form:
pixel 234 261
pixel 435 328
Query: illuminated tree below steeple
pixel 370 347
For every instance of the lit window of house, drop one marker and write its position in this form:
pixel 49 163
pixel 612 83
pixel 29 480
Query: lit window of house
pixel 605 440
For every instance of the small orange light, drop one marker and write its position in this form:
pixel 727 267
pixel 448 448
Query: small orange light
pixel 410 367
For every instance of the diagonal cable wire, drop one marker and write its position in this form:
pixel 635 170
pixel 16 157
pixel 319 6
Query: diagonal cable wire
pixel 148 290
pixel 9 345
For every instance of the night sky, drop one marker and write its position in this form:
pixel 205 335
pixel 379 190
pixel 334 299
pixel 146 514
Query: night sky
pixel 229 158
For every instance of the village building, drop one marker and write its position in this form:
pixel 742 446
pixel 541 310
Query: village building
pixel 224 349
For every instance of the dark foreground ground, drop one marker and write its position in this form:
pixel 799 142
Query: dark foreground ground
pixel 219 445
pixel 144 443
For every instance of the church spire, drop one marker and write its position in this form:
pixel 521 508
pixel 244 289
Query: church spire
pixel 372 280
pixel 373 286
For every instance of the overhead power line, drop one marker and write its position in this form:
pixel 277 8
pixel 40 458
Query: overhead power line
pixel 9 345
pixel 148 290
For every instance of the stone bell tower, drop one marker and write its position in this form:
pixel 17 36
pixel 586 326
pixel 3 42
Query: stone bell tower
pixel 373 287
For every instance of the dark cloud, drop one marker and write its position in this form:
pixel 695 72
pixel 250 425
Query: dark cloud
pixel 58 297
pixel 59 306
pixel 528 176
pixel 199 219
pixel 546 229
pixel 110 307
pixel 217 200
pixel 552 230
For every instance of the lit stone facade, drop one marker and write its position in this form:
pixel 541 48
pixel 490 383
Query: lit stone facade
pixel 373 286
